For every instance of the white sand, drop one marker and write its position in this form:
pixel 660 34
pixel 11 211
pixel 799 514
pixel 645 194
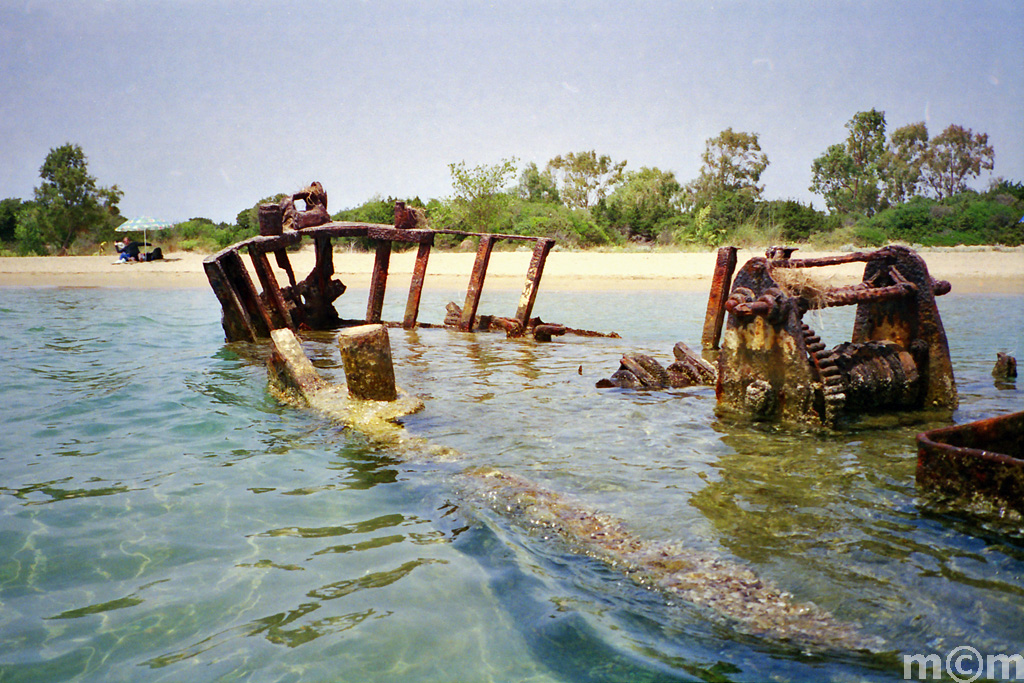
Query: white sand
pixel 968 269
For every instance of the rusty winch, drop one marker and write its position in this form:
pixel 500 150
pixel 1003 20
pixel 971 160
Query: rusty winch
pixel 772 365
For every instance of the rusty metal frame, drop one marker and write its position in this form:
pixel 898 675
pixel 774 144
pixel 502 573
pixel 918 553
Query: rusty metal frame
pixel 250 314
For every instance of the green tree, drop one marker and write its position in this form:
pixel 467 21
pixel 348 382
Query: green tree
pixel 643 204
pixel 586 178
pixel 733 162
pixel 900 167
pixel 69 201
pixel 953 156
pixel 848 174
pixel 480 202
pixel 538 186
pixel 9 209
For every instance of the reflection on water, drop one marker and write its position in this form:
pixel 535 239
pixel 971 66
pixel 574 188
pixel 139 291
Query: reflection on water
pixel 164 518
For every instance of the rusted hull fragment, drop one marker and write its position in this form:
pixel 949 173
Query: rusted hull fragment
pixel 979 465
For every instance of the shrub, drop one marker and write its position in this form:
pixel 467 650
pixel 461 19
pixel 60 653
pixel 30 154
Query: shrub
pixel 795 221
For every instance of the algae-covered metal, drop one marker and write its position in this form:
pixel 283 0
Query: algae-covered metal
pixel 979 464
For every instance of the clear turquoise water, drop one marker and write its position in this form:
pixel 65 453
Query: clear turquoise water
pixel 162 518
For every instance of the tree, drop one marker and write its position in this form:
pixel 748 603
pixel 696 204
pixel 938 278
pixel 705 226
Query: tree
pixel 847 175
pixel 733 162
pixel 953 156
pixel 69 203
pixel 585 177
pixel 538 186
pixel 900 166
pixel 480 199
pixel 643 203
pixel 9 209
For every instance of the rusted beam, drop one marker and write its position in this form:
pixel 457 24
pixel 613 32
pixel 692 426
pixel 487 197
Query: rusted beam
pixel 270 287
pixel 324 268
pixel 848 296
pixel 476 282
pixel 495 235
pixel 533 275
pixel 387 232
pixel 245 317
pixel 379 281
pixel 855 257
pixel 419 274
pixel 238 326
pixel 270 242
pixel 725 265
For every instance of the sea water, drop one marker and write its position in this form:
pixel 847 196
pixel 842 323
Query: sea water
pixel 163 518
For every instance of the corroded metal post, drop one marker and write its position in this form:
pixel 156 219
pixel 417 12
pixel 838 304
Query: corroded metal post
pixel 379 281
pixel 366 355
pixel 419 273
pixel 533 275
pixel 269 283
pixel 270 219
pixel 244 316
pixel 476 282
pixel 720 284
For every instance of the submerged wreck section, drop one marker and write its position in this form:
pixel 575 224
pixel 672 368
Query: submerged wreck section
pixel 728 591
pixel 979 465
pixel 773 366
pixel 251 313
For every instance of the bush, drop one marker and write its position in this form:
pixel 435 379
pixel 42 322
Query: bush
pixel 794 221
pixel 571 227
pixel 968 218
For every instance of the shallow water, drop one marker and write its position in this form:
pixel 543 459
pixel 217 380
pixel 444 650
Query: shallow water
pixel 163 518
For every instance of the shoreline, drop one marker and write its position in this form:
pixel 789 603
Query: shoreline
pixel 969 270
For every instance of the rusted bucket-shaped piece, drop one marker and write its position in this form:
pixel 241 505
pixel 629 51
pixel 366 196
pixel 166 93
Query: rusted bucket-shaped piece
pixel 978 462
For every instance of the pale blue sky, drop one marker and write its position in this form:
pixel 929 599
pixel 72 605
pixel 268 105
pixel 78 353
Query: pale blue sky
pixel 201 108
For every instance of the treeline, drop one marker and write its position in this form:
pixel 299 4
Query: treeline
pixel 877 187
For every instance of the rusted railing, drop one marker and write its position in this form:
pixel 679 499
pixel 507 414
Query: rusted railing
pixel 250 313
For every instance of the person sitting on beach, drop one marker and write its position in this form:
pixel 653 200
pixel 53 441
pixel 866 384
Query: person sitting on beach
pixel 129 249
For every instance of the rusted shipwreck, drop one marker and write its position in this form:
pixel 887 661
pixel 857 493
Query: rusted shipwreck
pixel 251 313
pixel 773 366
pixel 978 465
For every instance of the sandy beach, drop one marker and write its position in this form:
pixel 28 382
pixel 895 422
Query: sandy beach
pixel 967 269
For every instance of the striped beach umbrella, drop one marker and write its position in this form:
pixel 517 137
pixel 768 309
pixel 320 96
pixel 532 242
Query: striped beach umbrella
pixel 143 223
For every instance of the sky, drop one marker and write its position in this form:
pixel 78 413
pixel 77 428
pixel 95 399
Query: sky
pixel 204 107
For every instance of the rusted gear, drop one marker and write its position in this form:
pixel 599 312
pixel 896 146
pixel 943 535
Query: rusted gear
pixel 824 363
